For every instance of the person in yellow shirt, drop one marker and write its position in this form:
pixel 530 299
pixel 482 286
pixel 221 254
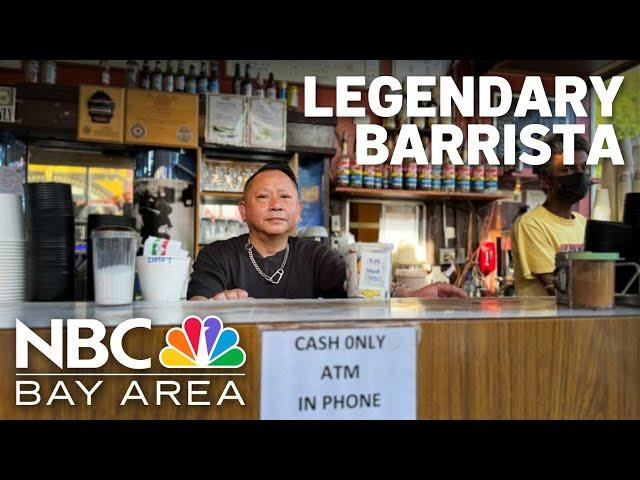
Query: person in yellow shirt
pixel 551 227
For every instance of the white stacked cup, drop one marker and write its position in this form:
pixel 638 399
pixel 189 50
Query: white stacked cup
pixel 12 249
pixel 163 270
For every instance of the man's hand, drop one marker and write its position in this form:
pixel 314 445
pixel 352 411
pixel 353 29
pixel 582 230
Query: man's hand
pixel 235 294
pixel 435 290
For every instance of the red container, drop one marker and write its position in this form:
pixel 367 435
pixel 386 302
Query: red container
pixel 487 257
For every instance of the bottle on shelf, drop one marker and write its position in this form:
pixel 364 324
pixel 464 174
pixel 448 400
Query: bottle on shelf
pixel 237 81
pixel 192 81
pixel 156 78
pixel 168 83
pixel 258 91
pixel 132 73
pixel 214 83
pixel 145 76
pixel 247 82
pixel 203 82
pixel 179 82
pixel 105 73
pixel 281 90
pixel 292 98
pixel 343 169
pixel 271 87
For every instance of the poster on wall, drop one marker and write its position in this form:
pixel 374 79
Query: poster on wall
pixel 161 118
pixel 267 123
pixel 101 114
pixel 164 208
pixel 7 104
pixel 226 119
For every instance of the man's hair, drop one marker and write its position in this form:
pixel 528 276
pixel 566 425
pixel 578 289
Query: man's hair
pixel 282 167
pixel 554 140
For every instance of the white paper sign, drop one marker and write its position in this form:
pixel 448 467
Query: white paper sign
pixel 267 123
pixel 373 274
pixel 7 104
pixel 341 373
pixel 226 119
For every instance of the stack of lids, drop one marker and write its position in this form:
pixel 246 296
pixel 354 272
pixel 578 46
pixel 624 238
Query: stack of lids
pixel 50 242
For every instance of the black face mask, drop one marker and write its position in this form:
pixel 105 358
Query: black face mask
pixel 571 188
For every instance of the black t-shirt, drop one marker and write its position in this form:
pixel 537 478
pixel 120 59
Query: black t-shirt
pixel 313 270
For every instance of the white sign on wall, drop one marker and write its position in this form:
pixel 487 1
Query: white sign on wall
pixel 7 104
pixel 339 374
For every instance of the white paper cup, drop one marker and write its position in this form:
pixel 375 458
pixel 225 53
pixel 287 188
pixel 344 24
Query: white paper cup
pixel 11 217
pixel 162 278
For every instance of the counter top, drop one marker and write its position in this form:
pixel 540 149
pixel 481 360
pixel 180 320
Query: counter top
pixel 39 314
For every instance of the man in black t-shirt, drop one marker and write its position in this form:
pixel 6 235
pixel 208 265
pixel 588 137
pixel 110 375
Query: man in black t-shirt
pixel 268 262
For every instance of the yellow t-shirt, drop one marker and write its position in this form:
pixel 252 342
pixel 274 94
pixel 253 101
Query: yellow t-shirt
pixel 536 237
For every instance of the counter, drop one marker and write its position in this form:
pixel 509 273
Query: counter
pixel 481 358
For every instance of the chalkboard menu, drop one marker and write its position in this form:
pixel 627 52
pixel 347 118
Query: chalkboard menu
pixel 521 122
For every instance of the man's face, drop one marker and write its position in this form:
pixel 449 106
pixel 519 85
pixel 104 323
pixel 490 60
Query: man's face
pixel 558 169
pixel 271 204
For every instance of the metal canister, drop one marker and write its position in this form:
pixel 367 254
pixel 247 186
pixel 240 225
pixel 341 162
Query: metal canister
pixel 48 71
pixel 31 69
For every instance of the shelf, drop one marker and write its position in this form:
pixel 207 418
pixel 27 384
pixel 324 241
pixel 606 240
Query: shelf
pixel 223 195
pixel 416 194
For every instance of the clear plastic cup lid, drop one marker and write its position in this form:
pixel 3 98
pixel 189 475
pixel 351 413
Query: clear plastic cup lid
pixel 114 233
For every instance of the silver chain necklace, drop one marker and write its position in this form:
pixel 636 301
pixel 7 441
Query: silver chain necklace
pixel 276 277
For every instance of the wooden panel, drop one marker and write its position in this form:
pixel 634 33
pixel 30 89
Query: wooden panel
pixel 576 368
pixel 556 368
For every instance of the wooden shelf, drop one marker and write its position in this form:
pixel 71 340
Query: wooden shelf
pixel 223 195
pixel 416 194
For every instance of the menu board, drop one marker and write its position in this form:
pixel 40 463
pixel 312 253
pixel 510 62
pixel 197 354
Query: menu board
pixel 226 119
pixel 101 114
pixel 267 123
pixel 161 118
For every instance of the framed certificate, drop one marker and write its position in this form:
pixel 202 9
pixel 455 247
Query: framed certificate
pixel 226 119
pixel 267 123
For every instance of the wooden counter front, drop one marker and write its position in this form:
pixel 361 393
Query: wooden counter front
pixel 506 368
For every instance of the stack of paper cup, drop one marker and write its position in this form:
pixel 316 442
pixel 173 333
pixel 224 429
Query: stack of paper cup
pixel 12 248
pixel 163 278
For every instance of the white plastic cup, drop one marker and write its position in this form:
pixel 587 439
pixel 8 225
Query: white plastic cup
pixel 162 278
pixel 11 218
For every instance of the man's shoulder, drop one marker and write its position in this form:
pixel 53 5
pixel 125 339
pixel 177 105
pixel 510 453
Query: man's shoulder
pixel 309 248
pixel 532 218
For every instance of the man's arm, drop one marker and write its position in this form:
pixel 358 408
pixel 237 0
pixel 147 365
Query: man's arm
pixel 208 277
pixel 435 290
pixel 547 282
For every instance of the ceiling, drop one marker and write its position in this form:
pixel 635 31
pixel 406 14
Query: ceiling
pixel 581 68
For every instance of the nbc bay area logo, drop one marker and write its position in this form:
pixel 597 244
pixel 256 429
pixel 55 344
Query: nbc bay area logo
pixel 202 344
pixel 196 344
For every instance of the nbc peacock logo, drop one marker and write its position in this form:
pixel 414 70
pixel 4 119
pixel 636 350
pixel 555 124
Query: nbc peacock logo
pixel 202 344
